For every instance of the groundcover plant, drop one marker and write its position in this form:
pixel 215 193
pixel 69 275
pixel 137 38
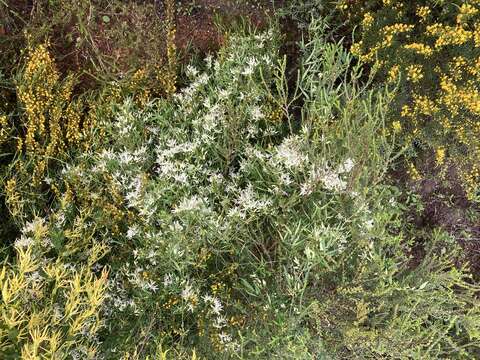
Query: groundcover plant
pixel 256 197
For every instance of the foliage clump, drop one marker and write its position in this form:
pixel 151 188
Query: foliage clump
pixel 49 308
pixel 430 48
pixel 242 215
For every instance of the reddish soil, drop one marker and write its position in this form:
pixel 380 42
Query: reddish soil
pixel 196 30
pixel 199 30
pixel 445 207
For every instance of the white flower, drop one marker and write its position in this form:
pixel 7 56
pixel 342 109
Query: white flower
pixel 288 153
pixel 208 61
pixel 208 298
pixel 306 189
pixel 331 181
pixel 251 64
pixel 191 71
pixel 167 280
pixel 150 285
pixel 206 103
pixel 257 113
pixel 131 232
pixel 285 179
pixel 190 204
pixel 369 224
pixel 224 338
pixel 346 167
pixel 181 178
pixel 35 226
pixel 217 306
pixel 223 94
pixel 187 292
pixel 135 191
pixel 126 158
pixel 247 200
pixel 220 322
pixel 23 241
pixel 236 212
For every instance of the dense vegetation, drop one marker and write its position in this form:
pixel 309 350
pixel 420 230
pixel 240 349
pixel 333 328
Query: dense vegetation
pixel 302 184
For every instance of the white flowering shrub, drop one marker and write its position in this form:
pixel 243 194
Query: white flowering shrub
pixel 236 221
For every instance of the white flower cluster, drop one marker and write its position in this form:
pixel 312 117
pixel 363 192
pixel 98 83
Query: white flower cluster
pixel 330 179
pixel 289 152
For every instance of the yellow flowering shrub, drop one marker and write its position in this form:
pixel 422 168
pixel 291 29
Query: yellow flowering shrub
pixel 48 124
pixel 51 119
pixel 432 48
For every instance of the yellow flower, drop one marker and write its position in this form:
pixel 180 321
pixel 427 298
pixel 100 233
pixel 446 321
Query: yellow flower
pixel 423 12
pixel 449 35
pixel 466 11
pixel 393 73
pixel 4 128
pixel 397 127
pixel 397 28
pixel 414 73
pixel 424 105
pixel 356 48
pixel 440 156
pixel 342 5
pixel 406 111
pixel 413 172
pixel 420 49
pixel 367 20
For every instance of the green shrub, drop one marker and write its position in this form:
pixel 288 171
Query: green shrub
pixel 246 218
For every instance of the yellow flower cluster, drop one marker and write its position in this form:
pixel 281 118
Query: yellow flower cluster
pixel 139 87
pixel 441 108
pixel 367 20
pixel 414 73
pixel 421 49
pixel 413 172
pixel 390 31
pixel 393 74
pixel 36 92
pixel 4 129
pixel 440 155
pixel 12 197
pixel 397 126
pixel 52 120
pixel 423 12
pixel 448 35
pixel 472 179
pixel 465 12
pixel 73 132
pixel 424 106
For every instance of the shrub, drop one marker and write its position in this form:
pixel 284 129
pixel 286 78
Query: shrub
pixel 49 308
pixel 255 235
pixel 47 123
pixel 243 218
pixel 431 49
